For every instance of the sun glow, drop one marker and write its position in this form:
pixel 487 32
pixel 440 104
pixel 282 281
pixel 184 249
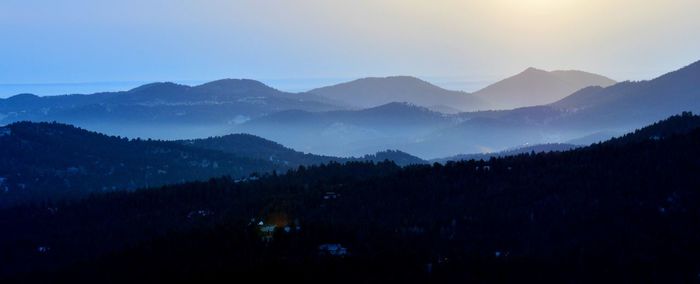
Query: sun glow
pixel 541 7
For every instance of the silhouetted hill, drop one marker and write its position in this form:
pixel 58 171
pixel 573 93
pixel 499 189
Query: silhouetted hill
pixel 674 125
pixel 52 161
pixel 542 148
pixel 384 116
pixel 251 146
pixel 537 87
pixel 246 145
pixel 21 100
pixel 491 131
pixel 41 161
pixel 594 137
pixel 609 212
pixel 235 87
pixel 372 92
pixel 349 133
pixel 395 156
pixel 396 113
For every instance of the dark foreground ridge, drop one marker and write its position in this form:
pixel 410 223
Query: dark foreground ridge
pixel 621 211
pixel 53 161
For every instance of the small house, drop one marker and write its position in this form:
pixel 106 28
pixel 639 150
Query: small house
pixel 43 249
pixel 330 195
pixel 266 232
pixel 332 250
pixel 199 213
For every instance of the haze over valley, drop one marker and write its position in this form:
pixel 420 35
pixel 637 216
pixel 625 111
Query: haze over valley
pixel 368 115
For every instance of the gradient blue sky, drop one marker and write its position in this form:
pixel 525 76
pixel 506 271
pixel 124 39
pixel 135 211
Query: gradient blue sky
pixel 298 44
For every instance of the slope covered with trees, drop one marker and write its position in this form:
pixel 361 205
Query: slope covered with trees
pixel 616 211
pixel 40 161
pixel 251 146
pixel 52 161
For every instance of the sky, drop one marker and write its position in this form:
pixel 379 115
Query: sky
pixel 54 47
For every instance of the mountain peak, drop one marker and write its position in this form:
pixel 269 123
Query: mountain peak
pixel 376 91
pixel 158 86
pixel 403 78
pixel 234 83
pixel 23 96
pixel 398 81
pixel 237 86
pixel 533 70
pixel 537 87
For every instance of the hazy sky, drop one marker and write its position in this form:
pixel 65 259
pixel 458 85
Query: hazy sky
pixel 294 41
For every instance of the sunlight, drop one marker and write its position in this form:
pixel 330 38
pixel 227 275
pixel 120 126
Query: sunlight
pixel 541 7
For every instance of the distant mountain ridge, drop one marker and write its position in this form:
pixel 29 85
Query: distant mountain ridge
pixel 619 108
pixel 375 91
pixel 315 123
pixel 349 133
pixel 635 103
pixel 163 110
pixel 537 87
pixel 416 130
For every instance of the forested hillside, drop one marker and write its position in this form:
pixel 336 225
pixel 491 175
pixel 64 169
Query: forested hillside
pixel 53 161
pixel 41 161
pixel 254 147
pixel 623 211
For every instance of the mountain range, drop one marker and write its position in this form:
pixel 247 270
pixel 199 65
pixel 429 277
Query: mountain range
pixel 414 129
pixel 163 110
pixel 528 88
pixel 592 111
pixel 335 120
pixel 157 110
